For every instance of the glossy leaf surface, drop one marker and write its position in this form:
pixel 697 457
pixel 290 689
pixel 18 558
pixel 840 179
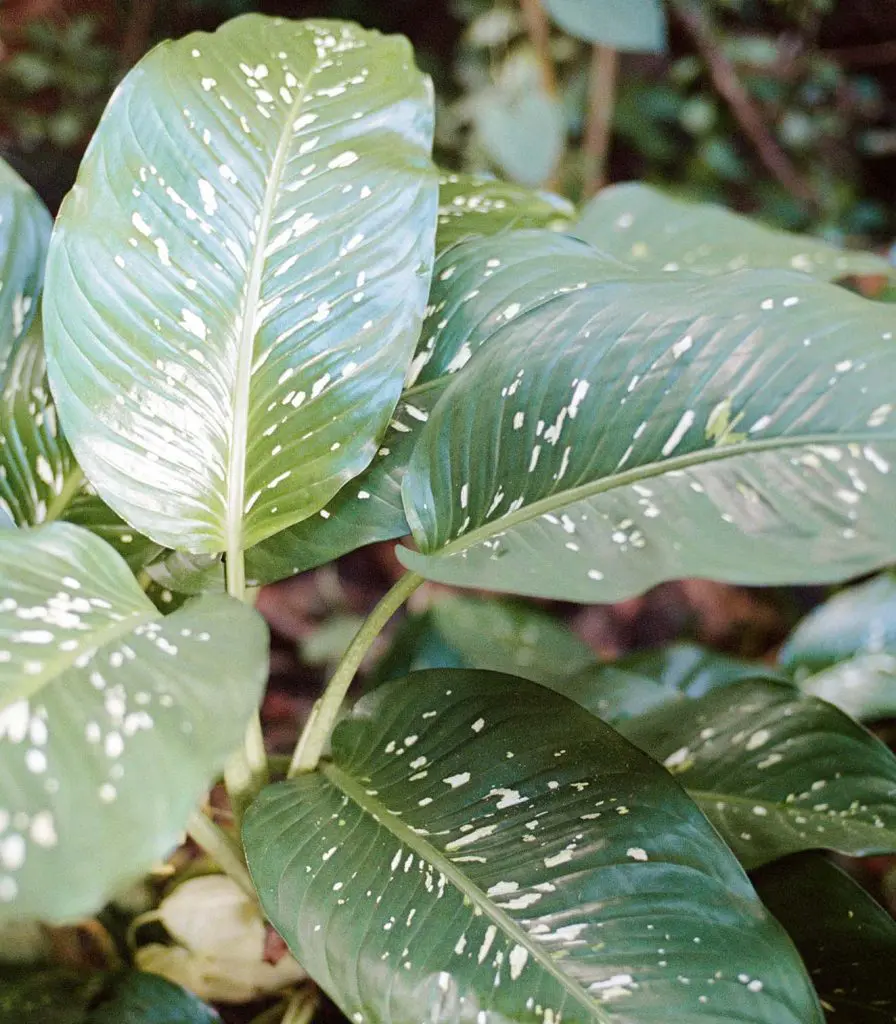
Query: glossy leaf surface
pixel 25 225
pixel 638 25
pixel 481 846
pixel 113 719
pixel 645 227
pixel 775 771
pixel 636 431
pixel 475 204
pixel 236 282
pixel 845 938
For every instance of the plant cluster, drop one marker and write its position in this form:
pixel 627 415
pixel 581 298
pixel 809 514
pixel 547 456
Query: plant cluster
pixel 271 332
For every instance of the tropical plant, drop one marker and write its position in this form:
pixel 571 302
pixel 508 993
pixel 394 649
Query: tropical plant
pixel 271 333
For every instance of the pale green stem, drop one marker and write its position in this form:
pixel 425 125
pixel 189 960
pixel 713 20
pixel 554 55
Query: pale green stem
pixel 301 1007
pixel 246 773
pixel 223 850
pixel 326 710
pixel 72 484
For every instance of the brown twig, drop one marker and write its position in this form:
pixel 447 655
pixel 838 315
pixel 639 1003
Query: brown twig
pixel 136 34
pixel 732 90
pixel 599 126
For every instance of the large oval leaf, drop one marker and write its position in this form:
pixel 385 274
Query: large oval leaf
pixel 651 230
pixel 25 225
pixel 236 282
pixel 113 719
pixel 738 429
pixel 846 940
pixel 480 846
pixel 775 771
pixel 638 25
pixel 475 287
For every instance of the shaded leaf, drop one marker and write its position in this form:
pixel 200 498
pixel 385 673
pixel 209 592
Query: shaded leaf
pixel 614 438
pixel 188 574
pixel 845 938
pixel 859 620
pixel 642 682
pixel 236 281
pixel 49 996
pixel 651 230
pixel 25 225
pixel 113 719
pixel 526 861
pixel 775 771
pixel 522 132
pixel 88 510
pixel 138 998
pixel 476 204
pixel 638 25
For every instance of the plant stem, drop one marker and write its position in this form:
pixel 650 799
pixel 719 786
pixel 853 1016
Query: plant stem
pixel 223 850
pixel 598 132
pixel 247 771
pixel 301 1007
pixel 539 32
pixel 326 710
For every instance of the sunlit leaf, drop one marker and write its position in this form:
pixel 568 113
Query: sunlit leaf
pixel 113 719
pixel 479 845
pixel 645 227
pixel 236 281
pixel 737 428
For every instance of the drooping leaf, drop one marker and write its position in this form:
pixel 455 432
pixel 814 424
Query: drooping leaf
pixel 476 204
pixel 476 286
pixel 859 620
pixel 775 771
pixel 479 845
pixel 113 719
pixel 638 25
pixel 641 682
pixel 737 429
pixel 25 225
pixel 236 281
pixel 648 229
pixel 845 938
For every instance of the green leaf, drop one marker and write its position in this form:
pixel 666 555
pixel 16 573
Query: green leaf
pixel 864 687
pixel 188 574
pixel 88 510
pixel 775 771
pixel 523 133
pixel 479 845
pixel 114 719
pixel 25 225
pixel 651 230
pixel 859 620
pixel 642 682
pixel 474 285
pixel 845 938
pixel 613 438
pixel 637 25
pixel 514 638
pixel 236 282
pixel 138 998
pixel 476 204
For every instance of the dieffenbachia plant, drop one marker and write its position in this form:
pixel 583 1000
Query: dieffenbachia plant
pixel 271 332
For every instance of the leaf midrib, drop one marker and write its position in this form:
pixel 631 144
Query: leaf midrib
pixel 27 686
pixel 556 502
pixel 383 816
pixel 236 463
